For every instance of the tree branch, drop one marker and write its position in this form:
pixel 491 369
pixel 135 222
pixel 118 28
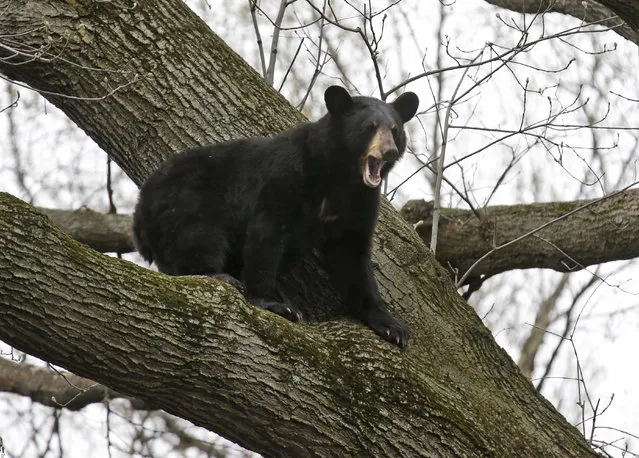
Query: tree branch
pixel 608 233
pixel 535 339
pixel 601 233
pixel 623 15
pixel 54 388
pixel 104 232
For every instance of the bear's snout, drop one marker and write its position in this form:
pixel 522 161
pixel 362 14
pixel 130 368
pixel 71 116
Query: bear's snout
pixel 390 154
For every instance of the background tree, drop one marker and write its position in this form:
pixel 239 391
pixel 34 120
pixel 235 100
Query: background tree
pixel 146 86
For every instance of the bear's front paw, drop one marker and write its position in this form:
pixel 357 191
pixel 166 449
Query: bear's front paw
pixel 285 310
pixel 387 327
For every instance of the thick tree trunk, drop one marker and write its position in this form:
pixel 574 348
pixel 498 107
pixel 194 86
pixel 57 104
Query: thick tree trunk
pixel 193 346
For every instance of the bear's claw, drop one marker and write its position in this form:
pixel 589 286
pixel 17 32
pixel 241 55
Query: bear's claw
pixel 284 310
pixel 388 328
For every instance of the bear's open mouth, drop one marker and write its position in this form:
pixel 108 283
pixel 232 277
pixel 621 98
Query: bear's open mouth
pixel 372 171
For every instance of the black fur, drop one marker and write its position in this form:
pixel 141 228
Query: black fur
pixel 246 208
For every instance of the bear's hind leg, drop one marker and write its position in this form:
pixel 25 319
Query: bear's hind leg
pixel 199 249
pixel 194 249
pixel 263 250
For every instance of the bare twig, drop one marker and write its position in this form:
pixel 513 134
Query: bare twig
pixel 440 162
pixel 270 72
pixel 577 30
pixel 319 62
pixel 135 79
pixel 258 36
pixel 288 70
pixel 13 104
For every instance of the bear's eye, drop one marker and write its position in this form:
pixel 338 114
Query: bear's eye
pixel 374 125
pixel 395 131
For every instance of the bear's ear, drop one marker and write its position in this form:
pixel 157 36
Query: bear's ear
pixel 337 100
pixel 406 105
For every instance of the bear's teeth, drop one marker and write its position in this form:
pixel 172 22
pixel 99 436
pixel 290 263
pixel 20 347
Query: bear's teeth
pixel 372 176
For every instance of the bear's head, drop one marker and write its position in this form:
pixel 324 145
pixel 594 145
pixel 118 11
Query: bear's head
pixel 372 130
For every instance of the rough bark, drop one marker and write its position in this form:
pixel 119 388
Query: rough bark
pixel 603 232
pixel 193 346
pixel 621 15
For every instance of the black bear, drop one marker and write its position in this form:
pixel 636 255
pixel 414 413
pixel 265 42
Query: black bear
pixel 243 209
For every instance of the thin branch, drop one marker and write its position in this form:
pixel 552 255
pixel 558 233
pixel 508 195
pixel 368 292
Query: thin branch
pixel 258 36
pixel 135 79
pixel 577 30
pixel 288 70
pixel 440 162
pixel 319 62
pixel 13 104
pixel 270 72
